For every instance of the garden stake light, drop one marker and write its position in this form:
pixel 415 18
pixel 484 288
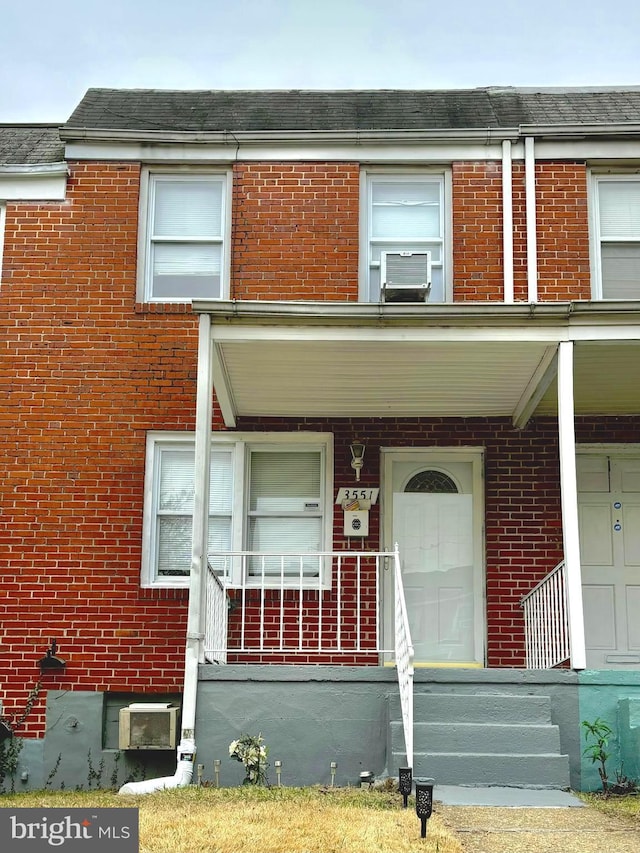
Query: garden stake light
pixel 200 771
pixel 424 803
pixel 366 779
pixel 334 767
pixel 405 781
pixel 216 771
pixel 278 766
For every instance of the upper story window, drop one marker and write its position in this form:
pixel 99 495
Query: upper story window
pixel 617 236
pixel 185 241
pixel 405 212
pixel 269 494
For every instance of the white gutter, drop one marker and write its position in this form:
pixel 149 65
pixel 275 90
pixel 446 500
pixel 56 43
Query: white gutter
pixel 411 135
pixel 531 224
pixel 507 220
pixel 36 170
pixel 194 651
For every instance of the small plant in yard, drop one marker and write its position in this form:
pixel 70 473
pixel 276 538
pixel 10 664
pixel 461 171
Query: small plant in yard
pixel 251 751
pixel 600 732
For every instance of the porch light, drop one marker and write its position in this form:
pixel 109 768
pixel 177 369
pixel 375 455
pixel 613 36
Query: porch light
pixel 334 767
pixel 424 803
pixel 357 457
pixel 278 766
pixel 405 781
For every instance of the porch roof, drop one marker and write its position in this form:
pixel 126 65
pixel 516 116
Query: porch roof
pixel 337 359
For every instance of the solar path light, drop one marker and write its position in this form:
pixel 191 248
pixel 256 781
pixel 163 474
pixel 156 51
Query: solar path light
pixel 424 803
pixel 405 781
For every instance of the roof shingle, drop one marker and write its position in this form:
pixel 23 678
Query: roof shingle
pixel 204 111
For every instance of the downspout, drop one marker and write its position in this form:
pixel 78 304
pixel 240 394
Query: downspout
pixel 507 220
pixel 532 240
pixel 194 651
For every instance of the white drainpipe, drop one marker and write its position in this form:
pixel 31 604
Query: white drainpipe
pixel 194 651
pixel 531 227
pixel 507 220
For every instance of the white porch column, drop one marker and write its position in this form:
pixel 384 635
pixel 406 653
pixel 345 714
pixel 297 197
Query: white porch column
pixel 569 493
pixel 198 577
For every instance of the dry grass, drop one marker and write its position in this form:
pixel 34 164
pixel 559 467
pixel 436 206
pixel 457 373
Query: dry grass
pixel 260 820
pixel 627 807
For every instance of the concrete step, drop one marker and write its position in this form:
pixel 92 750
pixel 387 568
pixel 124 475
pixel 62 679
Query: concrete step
pixel 487 769
pixel 476 708
pixel 479 737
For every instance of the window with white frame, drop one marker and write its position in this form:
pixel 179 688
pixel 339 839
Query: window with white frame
pixel 617 236
pixel 405 212
pixel 184 242
pixel 269 495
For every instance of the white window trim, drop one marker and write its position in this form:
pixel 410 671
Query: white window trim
pixel 242 442
pixel 595 243
pixel 3 215
pixel 143 286
pixel 365 219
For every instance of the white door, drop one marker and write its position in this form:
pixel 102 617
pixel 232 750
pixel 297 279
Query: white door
pixel 609 513
pixel 436 520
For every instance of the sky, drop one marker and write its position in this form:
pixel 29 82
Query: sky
pixel 51 53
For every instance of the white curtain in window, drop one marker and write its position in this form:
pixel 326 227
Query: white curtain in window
pixel 285 509
pixel 188 209
pixel 405 210
pixel 619 210
pixel 175 508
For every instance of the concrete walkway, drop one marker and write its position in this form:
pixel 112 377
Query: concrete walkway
pixel 510 820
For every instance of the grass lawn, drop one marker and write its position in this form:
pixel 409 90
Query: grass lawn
pixel 264 820
pixel 626 807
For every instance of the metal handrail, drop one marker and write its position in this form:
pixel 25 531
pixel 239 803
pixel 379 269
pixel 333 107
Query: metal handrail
pixel 546 615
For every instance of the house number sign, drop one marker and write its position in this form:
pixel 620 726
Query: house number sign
pixel 356 493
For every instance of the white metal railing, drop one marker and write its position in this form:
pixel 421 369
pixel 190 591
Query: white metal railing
pixel 299 604
pixel 404 657
pixel 547 621
pixel 217 610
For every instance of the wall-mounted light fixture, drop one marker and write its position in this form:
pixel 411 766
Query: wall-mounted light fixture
pixel 50 661
pixel 357 457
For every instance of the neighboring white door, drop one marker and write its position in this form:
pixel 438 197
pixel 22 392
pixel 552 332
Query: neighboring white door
pixel 436 520
pixel 609 513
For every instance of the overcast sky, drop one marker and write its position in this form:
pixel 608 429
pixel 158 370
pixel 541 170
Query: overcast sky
pixel 51 53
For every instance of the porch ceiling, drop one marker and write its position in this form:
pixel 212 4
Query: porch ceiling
pixel 303 359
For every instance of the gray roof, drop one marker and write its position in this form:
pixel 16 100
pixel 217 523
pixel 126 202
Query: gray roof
pixel 150 110
pixel 30 144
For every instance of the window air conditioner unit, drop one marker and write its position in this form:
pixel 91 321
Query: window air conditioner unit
pixel 148 725
pixel 405 276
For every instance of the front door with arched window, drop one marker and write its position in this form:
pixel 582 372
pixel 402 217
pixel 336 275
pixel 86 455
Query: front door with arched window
pixel 433 508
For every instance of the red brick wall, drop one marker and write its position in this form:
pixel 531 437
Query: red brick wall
pixel 477 232
pixel 562 232
pixel 295 231
pixel 86 378
pixel 89 372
